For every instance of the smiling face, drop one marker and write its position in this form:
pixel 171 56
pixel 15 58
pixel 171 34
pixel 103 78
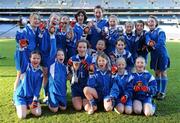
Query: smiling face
pixel 80 18
pixel 82 48
pixel 140 64
pixel 60 56
pixel 139 27
pixel 120 46
pixel 34 20
pixel 100 46
pixel 129 27
pixel 35 60
pixel 102 63
pixel 54 19
pixel 151 22
pixel 121 64
pixel 65 21
pixel 98 13
pixel 112 22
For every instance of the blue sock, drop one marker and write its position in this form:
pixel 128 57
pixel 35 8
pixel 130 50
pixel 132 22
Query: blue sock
pixel 92 102
pixel 158 80
pixel 164 81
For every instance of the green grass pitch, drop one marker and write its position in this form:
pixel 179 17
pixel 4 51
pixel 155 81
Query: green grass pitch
pixel 167 110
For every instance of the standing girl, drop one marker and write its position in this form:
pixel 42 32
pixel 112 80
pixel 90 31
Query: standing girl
pixel 111 33
pixel 129 37
pixel 159 56
pixel 96 26
pixel 80 17
pixel 25 40
pixel 44 46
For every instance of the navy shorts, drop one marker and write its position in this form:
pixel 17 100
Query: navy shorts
pixel 77 90
pixel 160 62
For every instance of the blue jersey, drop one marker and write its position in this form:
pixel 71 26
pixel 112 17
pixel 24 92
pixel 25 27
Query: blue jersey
pixel 111 39
pixel 61 40
pixel 45 43
pixel 140 45
pixel 159 56
pixel 71 46
pixel 82 75
pixel 127 56
pixel 130 40
pixel 144 79
pixel 57 79
pixel 95 32
pixel 122 86
pixel 102 82
pixel 20 34
pixel 31 36
pixel 78 30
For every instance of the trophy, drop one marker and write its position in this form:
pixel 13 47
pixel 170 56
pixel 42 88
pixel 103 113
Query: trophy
pixel 75 67
pixel 105 32
pixel 22 22
pixel 120 31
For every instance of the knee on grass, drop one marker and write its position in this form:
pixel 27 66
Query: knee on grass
pixel 148 109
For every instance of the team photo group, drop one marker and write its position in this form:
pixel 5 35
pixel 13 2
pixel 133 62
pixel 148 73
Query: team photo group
pixel 104 62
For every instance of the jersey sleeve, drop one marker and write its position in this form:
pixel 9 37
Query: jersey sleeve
pixel 91 81
pixel 129 87
pixel 152 84
pixel 114 93
pixel 38 86
pixel 53 49
pixel 161 39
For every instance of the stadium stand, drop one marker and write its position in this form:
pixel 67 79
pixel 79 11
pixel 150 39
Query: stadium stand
pixel 168 12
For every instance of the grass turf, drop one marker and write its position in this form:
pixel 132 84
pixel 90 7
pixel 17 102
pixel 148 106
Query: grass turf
pixel 167 110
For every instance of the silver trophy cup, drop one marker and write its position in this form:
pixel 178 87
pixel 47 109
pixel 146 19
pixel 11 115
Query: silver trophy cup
pixel 75 68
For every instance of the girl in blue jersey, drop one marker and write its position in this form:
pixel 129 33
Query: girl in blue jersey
pixel 159 55
pixel 78 67
pixel 111 33
pixel 129 37
pixel 120 51
pixel 145 87
pixel 80 17
pixel 57 80
pixel 25 40
pixel 96 26
pixel 44 46
pixel 61 34
pixel 122 89
pixel 140 41
pixel 100 47
pixel 99 84
pixel 28 88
